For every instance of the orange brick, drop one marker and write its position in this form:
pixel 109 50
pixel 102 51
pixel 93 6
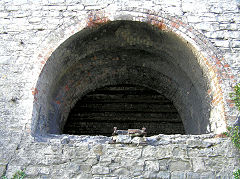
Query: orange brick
pixel 35 91
pixel 174 24
pixel 209 91
pixel 217 101
pixel 229 101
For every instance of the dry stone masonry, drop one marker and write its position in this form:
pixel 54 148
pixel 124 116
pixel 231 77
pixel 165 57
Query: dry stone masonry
pixel 55 53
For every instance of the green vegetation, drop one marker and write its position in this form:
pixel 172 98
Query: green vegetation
pixel 236 174
pixel 234 132
pixel 17 175
pixel 236 96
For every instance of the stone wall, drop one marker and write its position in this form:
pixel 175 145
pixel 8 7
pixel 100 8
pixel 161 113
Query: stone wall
pixel 31 30
pixel 164 156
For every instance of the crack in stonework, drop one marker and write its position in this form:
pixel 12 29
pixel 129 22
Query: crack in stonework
pixel 14 153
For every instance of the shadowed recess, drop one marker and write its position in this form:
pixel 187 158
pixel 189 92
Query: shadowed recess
pixel 121 54
pixel 124 106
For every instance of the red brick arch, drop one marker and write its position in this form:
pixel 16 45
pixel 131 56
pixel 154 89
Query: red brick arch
pixel 210 59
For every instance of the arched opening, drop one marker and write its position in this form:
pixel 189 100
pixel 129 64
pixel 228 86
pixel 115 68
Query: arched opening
pixel 124 106
pixel 117 53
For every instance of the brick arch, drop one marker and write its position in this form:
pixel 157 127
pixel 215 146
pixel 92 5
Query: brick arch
pixel 209 58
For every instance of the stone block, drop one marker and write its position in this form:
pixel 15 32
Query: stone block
pixel 21 2
pixel 218 20
pixel 222 43
pixel 179 152
pixel 179 165
pixel 92 160
pixel 55 2
pixel 152 166
pixel 163 164
pixel 163 152
pixel 236 43
pixel 4 14
pixel 207 175
pixel 112 177
pixel 121 171
pixel 192 175
pixel 2 169
pixel 149 151
pixel 157 175
pixel 105 161
pixel 77 7
pixel 135 166
pixel 12 8
pixel 198 164
pixel 90 2
pixel 225 174
pixel 98 149
pixel 217 10
pixel 177 175
pixel 163 175
pixel 85 168
pixel 5 59
pixel 31 170
pixel 100 170
pixel 35 20
pixel 150 175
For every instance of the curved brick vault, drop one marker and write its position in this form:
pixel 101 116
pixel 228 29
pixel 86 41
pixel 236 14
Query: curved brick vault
pixel 158 52
pixel 53 52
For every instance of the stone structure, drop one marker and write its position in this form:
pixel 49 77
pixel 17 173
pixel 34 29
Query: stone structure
pixel 52 53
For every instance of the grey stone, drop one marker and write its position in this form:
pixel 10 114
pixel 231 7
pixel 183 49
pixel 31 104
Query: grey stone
pixel 192 175
pixel 177 175
pixel 77 7
pixel 84 175
pixel 85 168
pixel 198 164
pixel 237 122
pixel 12 8
pixel 152 166
pixel 163 164
pixel 163 175
pixel 113 177
pixel 179 165
pixel 157 175
pixel 121 172
pixel 2 169
pixel 206 175
pixel 236 43
pixel 56 2
pixel 122 139
pixel 222 43
pixel 32 37
pixel 100 170
pixel 35 20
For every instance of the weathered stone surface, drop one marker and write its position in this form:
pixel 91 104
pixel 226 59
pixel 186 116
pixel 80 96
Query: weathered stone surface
pixel 30 32
pixel 180 165
pixel 100 170
pixel 192 175
pixel 177 175
pixel 198 164
pixel 152 166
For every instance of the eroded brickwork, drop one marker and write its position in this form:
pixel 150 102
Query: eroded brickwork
pixel 31 30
